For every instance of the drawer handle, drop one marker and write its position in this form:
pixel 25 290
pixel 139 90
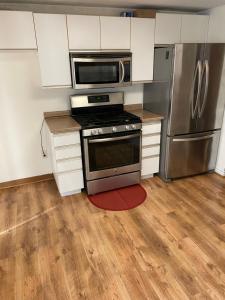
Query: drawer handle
pixel 151 156
pixel 150 146
pixel 194 139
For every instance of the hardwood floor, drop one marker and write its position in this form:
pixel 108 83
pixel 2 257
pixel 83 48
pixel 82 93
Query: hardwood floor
pixel 170 247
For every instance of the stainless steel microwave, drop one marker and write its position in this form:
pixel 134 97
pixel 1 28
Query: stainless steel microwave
pixel 100 69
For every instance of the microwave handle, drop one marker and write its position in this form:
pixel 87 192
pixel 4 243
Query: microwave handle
pixel 123 71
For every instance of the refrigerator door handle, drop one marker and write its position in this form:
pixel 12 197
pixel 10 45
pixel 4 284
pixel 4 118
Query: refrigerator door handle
pixel 197 74
pixel 194 139
pixel 206 70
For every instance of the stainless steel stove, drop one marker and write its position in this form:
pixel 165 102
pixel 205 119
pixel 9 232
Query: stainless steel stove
pixel 111 141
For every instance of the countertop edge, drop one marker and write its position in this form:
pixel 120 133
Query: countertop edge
pixel 61 121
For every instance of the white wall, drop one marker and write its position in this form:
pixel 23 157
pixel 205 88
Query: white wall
pixel 217 35
pixel 220 166
pixel 22 103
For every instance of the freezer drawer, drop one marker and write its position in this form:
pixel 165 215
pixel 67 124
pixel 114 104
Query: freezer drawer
pixel 191 154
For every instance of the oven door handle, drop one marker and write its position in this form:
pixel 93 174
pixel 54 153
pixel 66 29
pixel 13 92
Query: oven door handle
pixel 126 137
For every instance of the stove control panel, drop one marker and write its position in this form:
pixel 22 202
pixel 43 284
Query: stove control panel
pixel 108 130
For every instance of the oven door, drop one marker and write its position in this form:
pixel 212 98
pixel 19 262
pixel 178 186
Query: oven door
pixel 112 154
pixel 100 72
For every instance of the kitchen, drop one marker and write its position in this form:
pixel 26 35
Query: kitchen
pixel 36 84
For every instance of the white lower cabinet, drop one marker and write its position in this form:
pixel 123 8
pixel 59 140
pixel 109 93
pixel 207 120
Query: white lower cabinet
pixel 150 148
pixel 150 151
pixel 70 182
pixel 65 152
pixel 152 139
pixel 68 151
pixel 150 166
pixel 69 164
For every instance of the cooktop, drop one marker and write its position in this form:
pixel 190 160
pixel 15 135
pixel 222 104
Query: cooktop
pixel 103 119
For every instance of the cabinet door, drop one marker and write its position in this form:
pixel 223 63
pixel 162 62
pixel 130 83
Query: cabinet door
pixel 17 30
pixel 53 52
pixel 168 27
pixel 142 47
pixel 115 33
pixel 83 32
pixel 216 23
pixel 194 29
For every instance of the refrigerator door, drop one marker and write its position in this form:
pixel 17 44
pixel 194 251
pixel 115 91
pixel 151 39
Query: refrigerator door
pixel 191 154
pixel 185 88
pixel 211 100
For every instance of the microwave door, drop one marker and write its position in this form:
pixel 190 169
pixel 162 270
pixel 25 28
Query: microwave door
pixel 97 72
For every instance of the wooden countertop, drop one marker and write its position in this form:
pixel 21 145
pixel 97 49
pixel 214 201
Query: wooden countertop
pixel 61 122
pixel 146 116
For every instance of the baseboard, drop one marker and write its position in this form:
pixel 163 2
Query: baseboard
pixel 147 176
pixel 70 193
pixel 220 172
pixel 27 180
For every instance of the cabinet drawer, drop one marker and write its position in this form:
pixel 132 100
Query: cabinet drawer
pixel 149 151
pixel 151 128
pixel 150 165
pixel 68 164
pixel 66 139
pixel 150 140
pixel 68 152
pixel 70 181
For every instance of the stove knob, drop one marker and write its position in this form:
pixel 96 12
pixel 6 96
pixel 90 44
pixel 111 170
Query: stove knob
pixel 100 131
pixel 133 126
pixel 94 132
pixel 114 129
pixel 127 127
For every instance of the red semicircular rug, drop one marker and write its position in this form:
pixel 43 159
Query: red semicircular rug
pixel 120 199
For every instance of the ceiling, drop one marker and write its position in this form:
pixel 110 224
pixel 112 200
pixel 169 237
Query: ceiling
pixel 179 4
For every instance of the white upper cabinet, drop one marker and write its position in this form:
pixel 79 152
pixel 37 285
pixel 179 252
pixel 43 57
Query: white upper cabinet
pixel 142 48
pixel 83 32
pixel 17 30
pixel 115 33
pixel 194 28
pixel 216 24
pixel 53 52
pixel 167 30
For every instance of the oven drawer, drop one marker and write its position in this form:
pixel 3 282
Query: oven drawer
pixel 150 165
pixel 66 139
pixel 68 152
pixel 69 181
pixel 68 164
pixel 151 140
pixel 151 128
pixel 150 151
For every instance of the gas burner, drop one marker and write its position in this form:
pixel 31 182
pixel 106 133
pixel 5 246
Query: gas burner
pixel 105 119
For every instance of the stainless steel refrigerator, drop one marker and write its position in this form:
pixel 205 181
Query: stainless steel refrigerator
pixel 186 91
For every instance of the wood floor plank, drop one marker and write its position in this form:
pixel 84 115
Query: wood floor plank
pixel 170 247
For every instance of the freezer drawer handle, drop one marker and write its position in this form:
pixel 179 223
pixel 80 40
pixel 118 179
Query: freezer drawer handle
pixel 194 139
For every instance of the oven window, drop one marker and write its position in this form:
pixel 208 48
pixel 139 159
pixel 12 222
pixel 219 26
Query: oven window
pixel 97 72
pixel 114 154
